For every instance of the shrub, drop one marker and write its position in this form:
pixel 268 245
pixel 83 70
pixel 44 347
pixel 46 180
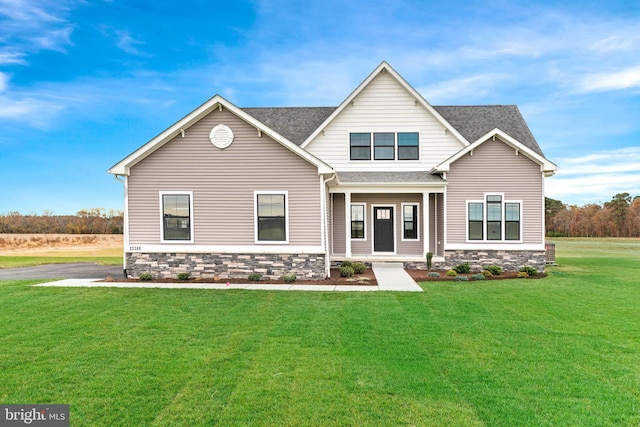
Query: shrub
pixel 478 276
pixel 452 273
pixel 255 277
pixel 146 276
pixel 346 263
pixel 184 276
pixel 495 270
pixel 289 278
pixel 462 268
pixel 346 271
pixel 462 279
pixel 487 273
pixel 434 274
pixel 523 275
pixel 529 270
pixel 429 256
pixel 359 267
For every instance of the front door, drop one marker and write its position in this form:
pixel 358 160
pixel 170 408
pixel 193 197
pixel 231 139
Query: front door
pixel 383 237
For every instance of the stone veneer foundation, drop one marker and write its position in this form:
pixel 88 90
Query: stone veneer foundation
pixel 478 260
pixel 225 266
pixel 508 260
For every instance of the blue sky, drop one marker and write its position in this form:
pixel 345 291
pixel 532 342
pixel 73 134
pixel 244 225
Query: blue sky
pixel 84 83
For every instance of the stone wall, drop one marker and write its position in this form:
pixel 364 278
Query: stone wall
pixel 508 260
pixel 226 266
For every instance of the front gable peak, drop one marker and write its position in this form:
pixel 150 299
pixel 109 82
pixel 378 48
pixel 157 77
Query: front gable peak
pixel 385 68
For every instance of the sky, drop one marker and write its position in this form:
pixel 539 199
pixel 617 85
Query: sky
pixel 85 83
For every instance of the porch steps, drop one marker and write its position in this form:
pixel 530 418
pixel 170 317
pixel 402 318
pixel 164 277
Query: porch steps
pixel 392 277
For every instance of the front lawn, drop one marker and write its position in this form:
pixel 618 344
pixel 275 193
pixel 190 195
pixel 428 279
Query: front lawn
pixel 564 350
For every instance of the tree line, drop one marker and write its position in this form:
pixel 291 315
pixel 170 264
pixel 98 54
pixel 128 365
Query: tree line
pixel 619 217
pixel 86 221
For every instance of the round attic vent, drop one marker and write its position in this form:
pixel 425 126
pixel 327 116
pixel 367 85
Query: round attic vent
pixel 221 136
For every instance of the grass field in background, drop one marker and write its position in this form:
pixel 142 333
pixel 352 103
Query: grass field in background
pixel 564 350
pixel 10 261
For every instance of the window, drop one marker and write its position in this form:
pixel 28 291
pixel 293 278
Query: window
pixel 357 221
pixel 385 146
pixel 409 222
pixel 176 216
pixel 360 146
pixel 494 219
pixel 271 217
pixel 408 146
pixel 476 221
pixel 512 221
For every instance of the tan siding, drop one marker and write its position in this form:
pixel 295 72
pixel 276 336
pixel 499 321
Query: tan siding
pixel 440 221
pixel 494 167
pixel 223 184
pixel 339 234
pixel 384 106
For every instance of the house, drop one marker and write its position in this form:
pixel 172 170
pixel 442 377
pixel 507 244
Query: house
pixel 385 176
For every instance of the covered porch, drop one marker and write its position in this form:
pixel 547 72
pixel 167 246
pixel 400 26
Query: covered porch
pixel 387 216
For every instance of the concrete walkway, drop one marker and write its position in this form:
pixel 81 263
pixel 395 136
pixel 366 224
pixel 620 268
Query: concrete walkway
pixel 390 277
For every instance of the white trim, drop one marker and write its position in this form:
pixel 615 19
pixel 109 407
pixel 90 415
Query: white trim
pixel 191 217
pixel 425 219
pixel 503 220
pixel 225 249
pixel 373 224
pixel 417 221
pixel 285 193
pixel 496 245
pixel 347 224
pixel 364 213
pixel 387 188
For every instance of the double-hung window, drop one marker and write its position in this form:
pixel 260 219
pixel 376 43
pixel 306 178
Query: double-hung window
pixel 360 146
pixel 494 219
pixel 271 217
pixel 386 146
pixel 177 210
pixel 357 221
pixel 408 146
pixel 409 222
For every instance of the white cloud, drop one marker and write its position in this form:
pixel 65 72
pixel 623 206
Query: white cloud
pixel 467 88
pixel 617 80
pixel 596 177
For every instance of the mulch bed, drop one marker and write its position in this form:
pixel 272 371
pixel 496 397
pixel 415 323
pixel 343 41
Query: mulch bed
pixel 367 278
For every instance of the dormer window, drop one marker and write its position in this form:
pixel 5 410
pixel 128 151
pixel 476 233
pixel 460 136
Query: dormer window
pixel 386 146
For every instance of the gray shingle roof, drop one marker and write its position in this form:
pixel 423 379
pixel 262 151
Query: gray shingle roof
pixel 475 121
pixel 420 177
pixel 294 123
pixel 297 123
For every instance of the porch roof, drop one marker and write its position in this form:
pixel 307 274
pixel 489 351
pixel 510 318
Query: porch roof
pixel 407 178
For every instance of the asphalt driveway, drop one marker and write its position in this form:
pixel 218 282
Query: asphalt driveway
pixel 84 270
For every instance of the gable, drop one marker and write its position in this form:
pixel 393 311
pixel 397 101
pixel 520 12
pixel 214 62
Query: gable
pixel 384 105
pixel 183 125
pixel 547 167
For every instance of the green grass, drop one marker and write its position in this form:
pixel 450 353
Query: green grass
pixel 10 261
pixel 561 351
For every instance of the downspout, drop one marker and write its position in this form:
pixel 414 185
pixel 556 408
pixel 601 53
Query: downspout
pixel 125 223
pixel 325 225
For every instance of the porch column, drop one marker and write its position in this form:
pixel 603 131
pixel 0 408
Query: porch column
pixel 425 221
pixel 347 224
